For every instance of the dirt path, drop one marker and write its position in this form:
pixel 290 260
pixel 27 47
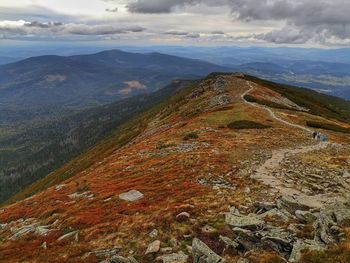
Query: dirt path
pixel 271 113
pixel 264 172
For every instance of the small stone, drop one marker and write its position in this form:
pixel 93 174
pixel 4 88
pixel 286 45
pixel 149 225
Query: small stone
pixel 131 196
pixel 153 233
pixel 184 216
pixel 174 258
pixel 43 245
pixel 59 187
pixel 154 247
pixel 68 235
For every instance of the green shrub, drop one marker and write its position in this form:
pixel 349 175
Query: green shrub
pixel 81 188
pixel 164 146
pixel 327 126
pixel 271 104
pixel 244 124
pixel 191 135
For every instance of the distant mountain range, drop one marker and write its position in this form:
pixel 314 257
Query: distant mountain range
pixel 83 80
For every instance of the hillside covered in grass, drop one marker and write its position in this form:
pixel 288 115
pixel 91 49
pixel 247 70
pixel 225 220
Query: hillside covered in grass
pixel 203 174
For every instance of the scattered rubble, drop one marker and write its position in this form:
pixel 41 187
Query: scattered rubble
pixel 83 195
pixel 19 228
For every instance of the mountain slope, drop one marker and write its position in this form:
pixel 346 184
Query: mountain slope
pixel 29 155
pixel 194 165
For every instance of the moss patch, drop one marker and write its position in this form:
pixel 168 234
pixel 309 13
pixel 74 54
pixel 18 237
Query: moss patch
pixel 244 124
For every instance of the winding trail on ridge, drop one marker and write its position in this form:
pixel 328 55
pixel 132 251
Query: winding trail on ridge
pixel 271 113
pixel 264 172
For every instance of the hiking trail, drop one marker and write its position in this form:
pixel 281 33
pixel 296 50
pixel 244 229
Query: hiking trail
pixel 264 172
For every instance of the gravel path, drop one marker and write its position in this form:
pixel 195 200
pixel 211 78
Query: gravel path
pixel 264 172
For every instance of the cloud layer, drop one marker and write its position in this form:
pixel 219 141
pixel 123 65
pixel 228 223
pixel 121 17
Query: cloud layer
pixel 325 22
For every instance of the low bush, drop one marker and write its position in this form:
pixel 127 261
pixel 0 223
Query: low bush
pixel 270 104
pixel 247 125
pixel 191 135
pixel 327 126
pixel 164 146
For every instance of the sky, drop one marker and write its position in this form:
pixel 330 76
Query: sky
pixel 304 23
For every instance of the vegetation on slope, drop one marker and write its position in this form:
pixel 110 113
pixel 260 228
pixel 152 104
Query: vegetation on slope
pixel 244 124
pixel 202 177
pixel 116 136
pixel 319 104
pixel 327 126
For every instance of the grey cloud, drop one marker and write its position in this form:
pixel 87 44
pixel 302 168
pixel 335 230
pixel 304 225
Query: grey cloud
pixel 112 10
pixel 20 29
pixel 285 36
pixel 193 35
pixel 176 33
pixel 182 33
pixel 316 19
pixel 31 13
pixel 80 29
pixel 155 6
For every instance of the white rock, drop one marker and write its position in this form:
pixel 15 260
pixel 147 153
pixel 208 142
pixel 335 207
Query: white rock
pixel 154 247
pixel 43 245
pixel 153 233
pixel 131 196
pixel 68 235
pixel 183 216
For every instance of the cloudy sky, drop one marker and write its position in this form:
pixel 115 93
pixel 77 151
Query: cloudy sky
pixel 209 22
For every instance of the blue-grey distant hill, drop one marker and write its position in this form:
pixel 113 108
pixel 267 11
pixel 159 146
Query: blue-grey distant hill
pixel 83 80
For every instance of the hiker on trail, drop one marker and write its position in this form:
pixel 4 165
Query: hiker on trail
pixel 314 134
pixel 318 136
pixel 324 138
